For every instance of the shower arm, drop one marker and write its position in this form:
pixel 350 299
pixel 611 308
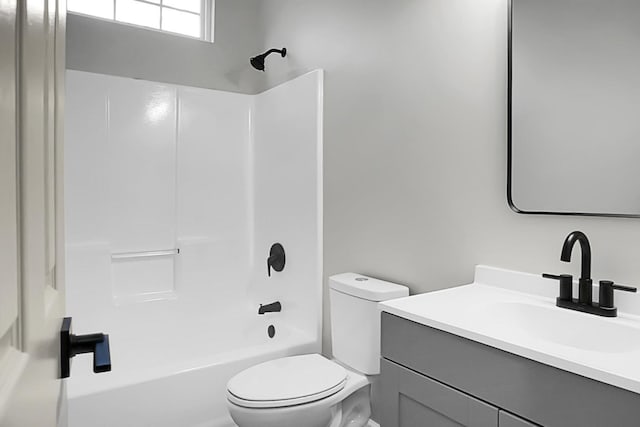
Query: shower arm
pixel 270 51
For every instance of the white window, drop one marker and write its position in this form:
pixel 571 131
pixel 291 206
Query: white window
pixel 193 18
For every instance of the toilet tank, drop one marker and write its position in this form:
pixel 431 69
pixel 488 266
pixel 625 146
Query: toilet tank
pixel 355 318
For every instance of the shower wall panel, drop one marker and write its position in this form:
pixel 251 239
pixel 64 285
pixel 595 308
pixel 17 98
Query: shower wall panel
pixel 141 145
pixel 155 168
pixel 214 195
pixel 288 197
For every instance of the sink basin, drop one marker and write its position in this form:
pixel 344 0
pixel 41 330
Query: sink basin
pixel 563 327
pixel 516 312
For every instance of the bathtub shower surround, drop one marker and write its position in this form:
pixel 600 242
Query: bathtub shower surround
pixel 174 196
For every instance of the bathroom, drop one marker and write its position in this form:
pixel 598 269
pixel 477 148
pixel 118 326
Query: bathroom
pixel 402 112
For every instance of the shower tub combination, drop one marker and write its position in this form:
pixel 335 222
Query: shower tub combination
pixel 174 196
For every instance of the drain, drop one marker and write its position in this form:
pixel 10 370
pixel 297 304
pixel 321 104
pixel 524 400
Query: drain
pixel 271 331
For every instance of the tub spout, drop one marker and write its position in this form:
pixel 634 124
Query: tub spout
pixel 270 308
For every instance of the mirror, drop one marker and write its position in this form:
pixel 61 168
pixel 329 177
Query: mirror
pixel 574 107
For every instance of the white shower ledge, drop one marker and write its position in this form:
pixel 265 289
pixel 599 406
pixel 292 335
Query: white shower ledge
pixel 516 312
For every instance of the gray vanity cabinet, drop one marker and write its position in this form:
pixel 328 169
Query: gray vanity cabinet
pixel 413 400
pixel 430 378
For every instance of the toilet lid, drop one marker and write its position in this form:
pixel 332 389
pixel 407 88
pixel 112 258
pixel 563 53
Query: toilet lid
pixel 287 381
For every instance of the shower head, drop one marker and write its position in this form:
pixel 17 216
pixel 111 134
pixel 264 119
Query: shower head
pixel 257 62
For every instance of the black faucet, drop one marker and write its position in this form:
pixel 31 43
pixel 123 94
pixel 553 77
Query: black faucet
pixel 585 303
pixel 274 307
pixel 585 284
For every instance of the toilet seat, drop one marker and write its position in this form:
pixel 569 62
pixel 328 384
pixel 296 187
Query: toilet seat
pixel 286 382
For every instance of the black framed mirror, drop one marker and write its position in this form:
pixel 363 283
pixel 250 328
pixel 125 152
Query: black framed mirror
pixel 574 107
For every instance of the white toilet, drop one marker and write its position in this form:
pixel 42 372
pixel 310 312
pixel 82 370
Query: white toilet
pixel 310 390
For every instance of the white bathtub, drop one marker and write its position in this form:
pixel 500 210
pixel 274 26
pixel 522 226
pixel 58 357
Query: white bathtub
pixel 179 377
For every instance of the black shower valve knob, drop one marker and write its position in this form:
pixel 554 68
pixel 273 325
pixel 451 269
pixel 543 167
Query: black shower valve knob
pixel 276 259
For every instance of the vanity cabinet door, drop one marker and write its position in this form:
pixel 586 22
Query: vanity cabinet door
pixel 507 420
pixel 413 400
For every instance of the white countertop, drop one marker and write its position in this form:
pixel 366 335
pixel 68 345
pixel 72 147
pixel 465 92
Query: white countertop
pixel 516 312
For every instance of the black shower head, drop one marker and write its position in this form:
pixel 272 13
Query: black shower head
pixel 257 62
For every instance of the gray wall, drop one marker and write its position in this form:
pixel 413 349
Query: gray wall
pixel 415 144
pixel 123 50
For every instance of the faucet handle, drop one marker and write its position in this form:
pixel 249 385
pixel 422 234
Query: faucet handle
pixel 566 285
pixel 625 288
pixel 276 258
pixel 606 292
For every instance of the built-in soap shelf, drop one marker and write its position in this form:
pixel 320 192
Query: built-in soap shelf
pixel 144 254
pixel 143 276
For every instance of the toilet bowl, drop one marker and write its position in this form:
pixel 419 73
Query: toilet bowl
pixel 299 391
pixel 311 390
